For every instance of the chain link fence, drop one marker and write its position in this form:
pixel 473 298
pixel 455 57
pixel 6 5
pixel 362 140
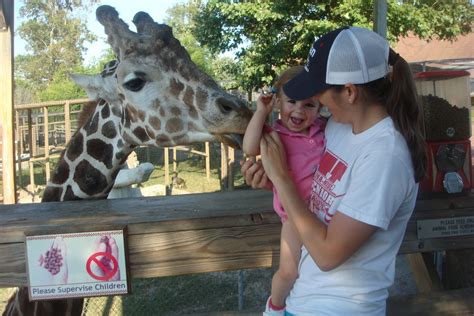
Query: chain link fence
pixel 189 294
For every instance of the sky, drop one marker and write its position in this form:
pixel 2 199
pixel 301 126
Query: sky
pixel 126 9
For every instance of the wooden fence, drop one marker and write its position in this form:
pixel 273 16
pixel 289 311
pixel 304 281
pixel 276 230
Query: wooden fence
pixel 220 231
pixel 35 124
pixel 192 233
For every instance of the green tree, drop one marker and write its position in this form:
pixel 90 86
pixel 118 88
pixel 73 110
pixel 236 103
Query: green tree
pixel 55 34
pixel 270 34
pixel 181 18
pixel 222 68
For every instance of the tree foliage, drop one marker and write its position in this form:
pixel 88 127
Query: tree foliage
pixel 181 18
pixel 55 34
pixel 272 34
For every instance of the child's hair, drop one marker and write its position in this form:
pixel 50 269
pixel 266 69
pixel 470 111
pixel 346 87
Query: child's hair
pixel 398 92
pixel 286 76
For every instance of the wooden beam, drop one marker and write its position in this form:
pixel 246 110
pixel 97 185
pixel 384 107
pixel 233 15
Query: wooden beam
pixel 6 102
pixel 166 236
pixel 185 234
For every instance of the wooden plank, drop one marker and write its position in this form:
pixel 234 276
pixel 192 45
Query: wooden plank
pixel 6 103
pixel 167 236
pixel 423 280
pixel 453 302
pixel 181 234
pixel 29 106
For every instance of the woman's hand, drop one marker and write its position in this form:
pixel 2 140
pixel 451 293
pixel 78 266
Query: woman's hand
pixel 273 157
pixel 254 174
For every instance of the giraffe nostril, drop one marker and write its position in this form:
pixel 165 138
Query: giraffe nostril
pixel 225 106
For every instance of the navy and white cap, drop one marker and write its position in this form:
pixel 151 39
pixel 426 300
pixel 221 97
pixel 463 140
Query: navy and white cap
pixel 346 55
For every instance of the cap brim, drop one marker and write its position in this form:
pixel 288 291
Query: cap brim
pixel 304 86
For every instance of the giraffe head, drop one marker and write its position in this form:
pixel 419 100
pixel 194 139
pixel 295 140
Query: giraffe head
pixel 165 99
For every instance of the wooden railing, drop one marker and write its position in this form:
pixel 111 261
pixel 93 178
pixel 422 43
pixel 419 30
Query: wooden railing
pixel 185 234
pixel 32 130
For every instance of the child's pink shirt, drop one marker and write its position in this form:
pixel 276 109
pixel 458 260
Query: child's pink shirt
pixel 303 153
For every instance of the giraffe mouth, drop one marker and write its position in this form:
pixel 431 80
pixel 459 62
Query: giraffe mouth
pixel 232 140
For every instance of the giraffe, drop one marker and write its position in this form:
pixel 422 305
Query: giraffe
pixel 152 95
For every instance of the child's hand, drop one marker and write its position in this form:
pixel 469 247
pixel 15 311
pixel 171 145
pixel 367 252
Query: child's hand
pixel 265 103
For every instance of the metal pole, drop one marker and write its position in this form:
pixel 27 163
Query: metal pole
pixel 380 17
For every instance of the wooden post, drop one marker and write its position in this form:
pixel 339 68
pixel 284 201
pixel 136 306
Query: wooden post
pixel 34 136
pixel 166 162
pixel 208 161
pixel 46 142
pixel 19 146
pixel 174 159
pixel 6 101
pixel 224 167
pixel 30 133
pixel 230 170
pixel 67 121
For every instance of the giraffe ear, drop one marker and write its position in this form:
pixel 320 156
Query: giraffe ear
pixel 91 83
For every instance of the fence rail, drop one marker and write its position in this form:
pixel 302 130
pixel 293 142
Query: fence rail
pixel 185 234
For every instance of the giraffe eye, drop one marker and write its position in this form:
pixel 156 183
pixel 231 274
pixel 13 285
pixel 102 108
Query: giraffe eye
pixel 135 84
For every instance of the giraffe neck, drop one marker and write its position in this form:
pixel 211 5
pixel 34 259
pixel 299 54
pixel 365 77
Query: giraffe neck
pixel 90 163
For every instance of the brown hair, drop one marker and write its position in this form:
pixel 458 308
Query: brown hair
pixel 286 76
pixel 398 93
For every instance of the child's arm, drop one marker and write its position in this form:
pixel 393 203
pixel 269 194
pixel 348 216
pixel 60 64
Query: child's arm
pixel 253 133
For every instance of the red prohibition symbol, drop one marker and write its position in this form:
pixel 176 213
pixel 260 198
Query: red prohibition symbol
pixel 107 271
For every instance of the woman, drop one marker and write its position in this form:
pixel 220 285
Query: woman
pixel 365 188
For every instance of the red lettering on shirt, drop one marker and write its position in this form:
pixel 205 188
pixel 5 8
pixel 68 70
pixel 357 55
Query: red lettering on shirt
pixel 330 171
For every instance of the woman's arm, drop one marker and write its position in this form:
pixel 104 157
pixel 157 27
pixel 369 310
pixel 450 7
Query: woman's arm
pixel 253 133
pixel 329 246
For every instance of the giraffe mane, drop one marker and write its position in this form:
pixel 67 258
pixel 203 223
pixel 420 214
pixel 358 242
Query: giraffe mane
pixel 87 110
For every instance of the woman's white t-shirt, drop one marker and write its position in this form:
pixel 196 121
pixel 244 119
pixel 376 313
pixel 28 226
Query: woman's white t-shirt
pixel 369 177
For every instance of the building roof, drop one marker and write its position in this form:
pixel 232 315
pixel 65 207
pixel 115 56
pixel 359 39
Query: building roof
pixel 414 49
pixel 438 54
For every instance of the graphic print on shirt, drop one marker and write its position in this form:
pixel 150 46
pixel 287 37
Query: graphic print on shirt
pixel 324 188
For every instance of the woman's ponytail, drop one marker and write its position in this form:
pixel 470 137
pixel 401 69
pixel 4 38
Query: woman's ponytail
pixel 404 106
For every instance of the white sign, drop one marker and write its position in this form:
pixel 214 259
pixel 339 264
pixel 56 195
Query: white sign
pixel 76 265
pixel 445 227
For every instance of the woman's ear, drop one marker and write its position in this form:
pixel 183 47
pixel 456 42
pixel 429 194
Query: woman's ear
pixel 352 92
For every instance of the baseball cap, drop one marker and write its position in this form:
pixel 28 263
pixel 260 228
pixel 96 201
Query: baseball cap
pixel 346 55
